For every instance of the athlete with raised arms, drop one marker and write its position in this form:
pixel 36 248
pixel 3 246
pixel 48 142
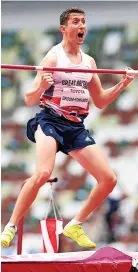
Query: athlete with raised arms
pixel 64 102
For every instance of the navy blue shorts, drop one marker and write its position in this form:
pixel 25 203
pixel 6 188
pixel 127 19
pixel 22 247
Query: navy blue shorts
pixel 68 134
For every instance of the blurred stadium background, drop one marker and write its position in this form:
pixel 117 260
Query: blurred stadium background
pixel 29 30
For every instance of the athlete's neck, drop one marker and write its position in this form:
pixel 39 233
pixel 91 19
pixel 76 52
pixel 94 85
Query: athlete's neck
pixel 70 48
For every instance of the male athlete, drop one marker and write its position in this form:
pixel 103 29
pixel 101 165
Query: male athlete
pixel 64 102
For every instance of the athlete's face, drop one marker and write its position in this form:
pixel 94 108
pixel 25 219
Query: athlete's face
pixel 75 29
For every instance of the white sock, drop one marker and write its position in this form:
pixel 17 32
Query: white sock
pixel 12 226
pixel 74 222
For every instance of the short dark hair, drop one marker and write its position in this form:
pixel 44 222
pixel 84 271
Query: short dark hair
pixel 65 14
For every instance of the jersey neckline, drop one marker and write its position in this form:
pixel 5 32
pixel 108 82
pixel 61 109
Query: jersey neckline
pixel 69 58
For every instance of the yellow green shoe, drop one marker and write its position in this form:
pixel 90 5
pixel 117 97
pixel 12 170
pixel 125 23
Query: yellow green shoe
pixel 77 234
pixel 7 236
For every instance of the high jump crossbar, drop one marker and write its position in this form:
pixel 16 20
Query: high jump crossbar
pixel 69 70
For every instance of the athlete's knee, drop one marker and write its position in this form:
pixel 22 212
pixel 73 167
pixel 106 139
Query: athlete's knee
pixel 111 182
pixel 43 177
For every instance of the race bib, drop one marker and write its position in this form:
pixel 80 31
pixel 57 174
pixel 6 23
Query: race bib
pixel 75 98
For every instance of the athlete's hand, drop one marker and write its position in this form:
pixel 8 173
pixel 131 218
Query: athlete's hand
pixel 46 80
pixel 126 79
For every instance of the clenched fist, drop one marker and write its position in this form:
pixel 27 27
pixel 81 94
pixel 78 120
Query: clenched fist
pixel 46 80
pixel 126 79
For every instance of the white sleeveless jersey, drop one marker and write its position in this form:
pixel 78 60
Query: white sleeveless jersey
pixel 69 96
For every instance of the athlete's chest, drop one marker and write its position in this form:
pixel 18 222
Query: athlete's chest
pixel 73 78
pixel 72 62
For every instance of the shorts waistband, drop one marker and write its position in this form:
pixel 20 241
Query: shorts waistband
pixel 56 114
pixel 73 113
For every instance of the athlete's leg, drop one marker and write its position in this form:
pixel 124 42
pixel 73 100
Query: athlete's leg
pixel 95 162
pixel 46 148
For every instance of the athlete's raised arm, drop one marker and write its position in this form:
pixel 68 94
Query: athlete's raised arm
pixel 42 81
pixel 101 97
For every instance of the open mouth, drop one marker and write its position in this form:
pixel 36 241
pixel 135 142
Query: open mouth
pixel 80 35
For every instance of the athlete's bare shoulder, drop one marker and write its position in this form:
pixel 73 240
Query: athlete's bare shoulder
pixel 92 61
pixel 51 57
